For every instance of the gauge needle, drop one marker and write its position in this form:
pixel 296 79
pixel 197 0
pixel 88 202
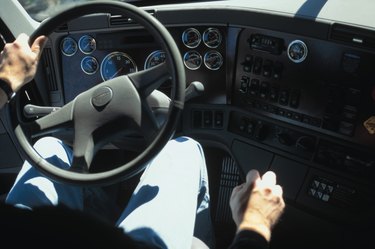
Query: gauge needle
pixel 117 72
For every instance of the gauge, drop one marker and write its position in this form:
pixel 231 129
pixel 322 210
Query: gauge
pixel 192 60
pixel 213 60
pixel 89 65
pixel 87 44
pixel 68 46
pixel 191 38
pixel 155 58
pixel 116 64
pixel 297 51
pixel 212 37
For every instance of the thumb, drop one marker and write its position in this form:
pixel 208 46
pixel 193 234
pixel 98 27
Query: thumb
pixel 38 45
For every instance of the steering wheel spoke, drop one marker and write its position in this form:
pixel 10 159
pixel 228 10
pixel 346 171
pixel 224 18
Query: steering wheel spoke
pixel 51 122
pixel 146 81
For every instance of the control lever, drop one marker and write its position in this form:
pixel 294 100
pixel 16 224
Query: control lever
pixel 195 89
pixel 32 111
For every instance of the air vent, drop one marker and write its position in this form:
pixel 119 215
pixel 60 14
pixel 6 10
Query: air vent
pixel 355 36
pixel 50 69
pixel 119 20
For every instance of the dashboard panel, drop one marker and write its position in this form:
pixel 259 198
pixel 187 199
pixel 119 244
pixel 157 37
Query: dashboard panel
pixel 281 93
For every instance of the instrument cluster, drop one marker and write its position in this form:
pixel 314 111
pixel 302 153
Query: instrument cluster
pixel 116 63
pixel 211 38
pixel 111 64
pixel 91 58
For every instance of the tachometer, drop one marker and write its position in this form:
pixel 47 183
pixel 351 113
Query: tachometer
pixel 116 64
pixel 155 58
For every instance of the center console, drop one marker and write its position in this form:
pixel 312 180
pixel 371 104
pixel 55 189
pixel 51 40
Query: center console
pixel 310 103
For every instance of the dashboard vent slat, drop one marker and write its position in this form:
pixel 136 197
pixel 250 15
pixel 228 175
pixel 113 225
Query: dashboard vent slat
pixel 354 36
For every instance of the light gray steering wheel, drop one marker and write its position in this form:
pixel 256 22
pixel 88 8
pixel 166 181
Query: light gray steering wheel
pixel 111 107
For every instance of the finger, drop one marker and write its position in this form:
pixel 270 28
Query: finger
pixel 237 188
pixel 269 178
pixel 277 190
pixel 38 44
pixel 22 39
pixel 252 176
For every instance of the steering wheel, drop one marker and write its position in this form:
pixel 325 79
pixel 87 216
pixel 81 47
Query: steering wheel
pixel 116 105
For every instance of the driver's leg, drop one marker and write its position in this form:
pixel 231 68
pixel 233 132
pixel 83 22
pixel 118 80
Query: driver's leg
pixel 164 206
pixel 31 189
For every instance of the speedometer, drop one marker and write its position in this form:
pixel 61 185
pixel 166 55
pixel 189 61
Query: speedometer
pixel 116 64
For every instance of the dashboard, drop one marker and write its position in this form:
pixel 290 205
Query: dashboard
pixel 300 104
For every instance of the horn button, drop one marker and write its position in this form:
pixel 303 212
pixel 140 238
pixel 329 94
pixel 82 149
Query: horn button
pixel 101 96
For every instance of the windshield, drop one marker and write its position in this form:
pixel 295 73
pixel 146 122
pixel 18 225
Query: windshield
pixel 42 9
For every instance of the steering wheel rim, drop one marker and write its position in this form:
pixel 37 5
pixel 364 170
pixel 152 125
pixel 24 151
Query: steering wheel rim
pixel 177 73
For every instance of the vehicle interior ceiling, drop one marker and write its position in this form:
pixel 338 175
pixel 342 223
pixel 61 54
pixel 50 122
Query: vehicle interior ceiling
pixel 289 86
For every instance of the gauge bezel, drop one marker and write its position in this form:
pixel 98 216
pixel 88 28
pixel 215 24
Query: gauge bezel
pixel 212 30
pixel 94 59
pixel 70 39
pixel 304 56
pixel 213 52
pixel 200 57
pixel 80 47
pixel 150 56
pixel 198 41
pixel 106 58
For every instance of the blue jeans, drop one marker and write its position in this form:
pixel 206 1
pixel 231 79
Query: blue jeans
pixel 172 192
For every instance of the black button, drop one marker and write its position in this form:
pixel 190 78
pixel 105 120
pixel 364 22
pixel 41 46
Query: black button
pixel 277 70
pixel 254 87
pixel 248 63
pixel 197 119
pixel 284 97
pixel 244 84
pixel 207 119
pixel 264 90
pixel 294 99
pixel 219 119
pixel 257 65
pixel 274 94
pixel 267 68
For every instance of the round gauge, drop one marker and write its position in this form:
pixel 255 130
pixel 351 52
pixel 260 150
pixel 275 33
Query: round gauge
pixel 212 37
pixel 89 65
pixel 297 51
pixel 68 46
pixel 155 58
pixel 192 60
pixel 116 64
pixel 213 60
pixel 191 38
pixel 87 44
